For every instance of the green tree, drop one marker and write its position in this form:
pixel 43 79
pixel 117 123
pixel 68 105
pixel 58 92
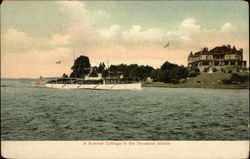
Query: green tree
pixel 154 74
pixel 94 72
pixel 194 71
pixel 81 67
pixel 171 73
pixel 145 71
pixel 101 67
pixel 164 76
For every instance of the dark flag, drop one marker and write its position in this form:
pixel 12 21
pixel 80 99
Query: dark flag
pixel 166 45
pixel 58 62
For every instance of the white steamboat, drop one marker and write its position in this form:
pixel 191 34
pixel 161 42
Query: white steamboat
pixel 108 83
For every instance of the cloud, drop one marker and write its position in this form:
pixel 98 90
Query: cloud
pixel 60 40
pixel 136 44
pixel 137 34
pixel 13 39
pixel 190 33
pixel 74 5
pixel 190 24
pixel 191 36
pixel 82 31
pixel 97 16
pixel 34 63
pixel 228 27
pixel 110 32
pixel 75 8
pixel 20 42
pixel 80 14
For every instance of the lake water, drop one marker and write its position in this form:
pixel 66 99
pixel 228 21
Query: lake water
pixel 30 112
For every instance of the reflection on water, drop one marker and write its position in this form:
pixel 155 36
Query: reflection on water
pixel 31 112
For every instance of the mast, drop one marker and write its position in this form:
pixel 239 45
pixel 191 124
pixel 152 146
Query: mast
pixel 74 60
pixel 108 64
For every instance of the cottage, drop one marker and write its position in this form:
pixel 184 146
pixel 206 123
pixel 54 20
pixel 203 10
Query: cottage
pixel 220 58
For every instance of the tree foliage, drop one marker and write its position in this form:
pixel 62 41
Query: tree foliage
pixel 132 71
pixel 194 71
pixel 81 67
pixel 101 67
pixel 236 79
pixel 170 73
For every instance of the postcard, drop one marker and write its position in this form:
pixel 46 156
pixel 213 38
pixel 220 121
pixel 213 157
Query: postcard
pixel 124 79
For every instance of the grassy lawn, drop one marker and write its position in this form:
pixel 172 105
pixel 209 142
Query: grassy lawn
pixel 207 80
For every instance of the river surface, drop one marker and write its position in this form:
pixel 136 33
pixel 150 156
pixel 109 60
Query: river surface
pixel 31 112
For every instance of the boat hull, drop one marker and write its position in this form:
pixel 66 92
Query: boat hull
pixel 133 86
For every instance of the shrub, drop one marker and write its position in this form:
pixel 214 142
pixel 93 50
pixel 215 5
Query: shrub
pixel 183 80
pixel 193 74
pixel 206 69
pixel 215 69
pixel 244 68
pixel 226 81
pixel 236 79
pixel 239 78
pixel 229 71
pixel 223 70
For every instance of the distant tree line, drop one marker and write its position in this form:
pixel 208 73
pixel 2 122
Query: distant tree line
pixel 168 72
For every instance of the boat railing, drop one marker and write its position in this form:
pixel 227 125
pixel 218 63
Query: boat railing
pixel 106 80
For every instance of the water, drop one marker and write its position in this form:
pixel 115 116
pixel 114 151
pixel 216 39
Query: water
pixel 31 112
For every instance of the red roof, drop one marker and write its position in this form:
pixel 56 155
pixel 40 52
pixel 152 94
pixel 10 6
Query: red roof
pixel 217 50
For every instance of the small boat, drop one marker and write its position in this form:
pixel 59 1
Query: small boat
pixel 40 80
pixel 108 83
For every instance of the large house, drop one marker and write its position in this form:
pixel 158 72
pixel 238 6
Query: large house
pixel 221 57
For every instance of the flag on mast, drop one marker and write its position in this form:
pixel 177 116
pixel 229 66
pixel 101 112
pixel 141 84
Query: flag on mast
pixel 58 62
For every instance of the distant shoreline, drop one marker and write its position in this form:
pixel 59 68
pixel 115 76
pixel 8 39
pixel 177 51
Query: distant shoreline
pixel 169 85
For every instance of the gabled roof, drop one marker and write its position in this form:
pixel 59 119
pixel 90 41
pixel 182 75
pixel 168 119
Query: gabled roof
pixel 217 50
pixel 224 50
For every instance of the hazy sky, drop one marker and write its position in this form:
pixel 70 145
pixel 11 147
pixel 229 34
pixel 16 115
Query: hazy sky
pixel 34 35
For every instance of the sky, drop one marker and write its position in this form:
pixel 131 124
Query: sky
pixel 36 34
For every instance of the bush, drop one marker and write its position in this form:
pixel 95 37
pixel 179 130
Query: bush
pixel 223 70
pixel 236 79
pixel 238 69
pixel 226 81
pixel 239 78
pixel 206 69
pixel 171 73
pixel 193 74
pixel 215 69
pixel 244 68
pixel 229 71
pixel 183 80
pixel 154 74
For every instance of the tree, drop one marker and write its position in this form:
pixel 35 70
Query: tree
pixel 145 71
pixel 81 67
pixel 194 71
pixel 136 72
pixel 154 74
pixel 171 73
pixel 164 76
pixel 168 66
pixel 94 72
pixel 101 67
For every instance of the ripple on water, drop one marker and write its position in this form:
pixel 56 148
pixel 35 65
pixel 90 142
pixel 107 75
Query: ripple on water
pixel 34 113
